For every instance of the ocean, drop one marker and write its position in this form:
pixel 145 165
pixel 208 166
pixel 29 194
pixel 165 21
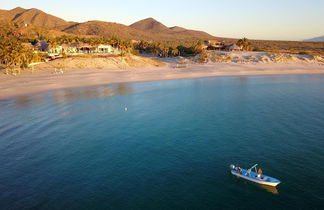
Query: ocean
pixel 165 145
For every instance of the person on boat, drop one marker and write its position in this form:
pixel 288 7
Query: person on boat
pixel 259 175
pixel 238 170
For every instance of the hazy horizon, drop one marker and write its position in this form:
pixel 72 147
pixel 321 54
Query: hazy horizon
pixel 253 19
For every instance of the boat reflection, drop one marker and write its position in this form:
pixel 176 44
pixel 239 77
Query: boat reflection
pixel 270 189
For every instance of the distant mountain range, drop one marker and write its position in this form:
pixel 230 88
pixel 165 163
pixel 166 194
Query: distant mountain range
pixel 147 29
pixel 34 17
pixel 316 39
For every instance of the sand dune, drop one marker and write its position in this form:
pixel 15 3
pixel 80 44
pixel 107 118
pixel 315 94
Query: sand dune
pixel 98 63
pixel 256 57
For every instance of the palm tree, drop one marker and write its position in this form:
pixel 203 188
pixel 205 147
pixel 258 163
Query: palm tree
pixel 165 51
pixel 52 43
pixel 14 53
pixel 128 46
pixel 175 52
pixel 244 43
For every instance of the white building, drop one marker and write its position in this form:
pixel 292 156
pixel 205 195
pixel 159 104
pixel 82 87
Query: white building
pixel 82 48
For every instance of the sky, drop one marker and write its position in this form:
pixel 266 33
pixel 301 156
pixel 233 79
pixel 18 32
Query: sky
pixel 254 19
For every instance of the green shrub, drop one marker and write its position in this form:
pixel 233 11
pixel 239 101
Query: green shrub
pixel 135 52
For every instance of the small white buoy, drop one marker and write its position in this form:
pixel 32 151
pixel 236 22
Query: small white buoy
pixel 126 109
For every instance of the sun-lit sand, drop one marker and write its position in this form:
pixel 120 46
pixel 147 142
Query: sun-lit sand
pixel 49 79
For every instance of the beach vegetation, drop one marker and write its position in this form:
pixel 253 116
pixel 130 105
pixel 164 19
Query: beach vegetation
pixel 135 52
pixel 244 43
pixel 203 58
pixel 13 52
pixel 258 49
pixel 17 45
pixel 169 49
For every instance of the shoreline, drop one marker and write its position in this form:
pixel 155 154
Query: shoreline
pixel 42 81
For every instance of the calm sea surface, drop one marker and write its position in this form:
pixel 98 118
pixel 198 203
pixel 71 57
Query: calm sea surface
pixel 165 145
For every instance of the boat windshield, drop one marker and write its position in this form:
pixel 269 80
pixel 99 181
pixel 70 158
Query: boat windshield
pixel 250 169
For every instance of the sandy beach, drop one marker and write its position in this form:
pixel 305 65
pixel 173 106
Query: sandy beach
pixel 48 79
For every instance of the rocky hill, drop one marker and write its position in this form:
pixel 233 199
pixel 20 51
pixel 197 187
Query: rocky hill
pixel 107 29
pixel 34 17
pixel 158 29
pixel 148 29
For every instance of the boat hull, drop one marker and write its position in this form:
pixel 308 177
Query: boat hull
pixel 265 180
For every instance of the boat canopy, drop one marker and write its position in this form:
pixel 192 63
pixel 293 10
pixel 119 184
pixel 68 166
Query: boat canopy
pixel 250 169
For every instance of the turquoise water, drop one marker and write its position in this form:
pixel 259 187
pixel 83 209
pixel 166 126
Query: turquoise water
pixel 80 149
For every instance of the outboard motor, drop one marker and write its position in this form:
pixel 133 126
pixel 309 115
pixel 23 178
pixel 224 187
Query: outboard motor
pixel 232 167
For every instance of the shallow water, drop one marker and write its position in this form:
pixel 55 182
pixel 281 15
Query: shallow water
pixel 170 149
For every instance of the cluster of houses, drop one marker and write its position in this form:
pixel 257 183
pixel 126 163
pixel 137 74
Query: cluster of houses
pixel 220 45
pixel 107 50
pixel 82 48
pixel 101 49
pixel 75 49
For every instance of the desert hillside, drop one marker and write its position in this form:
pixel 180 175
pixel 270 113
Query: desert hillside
pixel 34 17
pixel 158 29
pixel 147 29
pixel 106 29
pixel 150 25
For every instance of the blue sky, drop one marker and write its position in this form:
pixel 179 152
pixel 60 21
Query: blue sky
pixel 255 19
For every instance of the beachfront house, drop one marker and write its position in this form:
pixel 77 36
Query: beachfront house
pixel 55 50
pixel 214 44
pixel 233 47
pixel 83 48
pixel 64 48
pixel 105 49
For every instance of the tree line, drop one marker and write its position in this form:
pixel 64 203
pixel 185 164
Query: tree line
pixel 169 49
pixel 17 51
pixel 12 50
pixel 16 45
